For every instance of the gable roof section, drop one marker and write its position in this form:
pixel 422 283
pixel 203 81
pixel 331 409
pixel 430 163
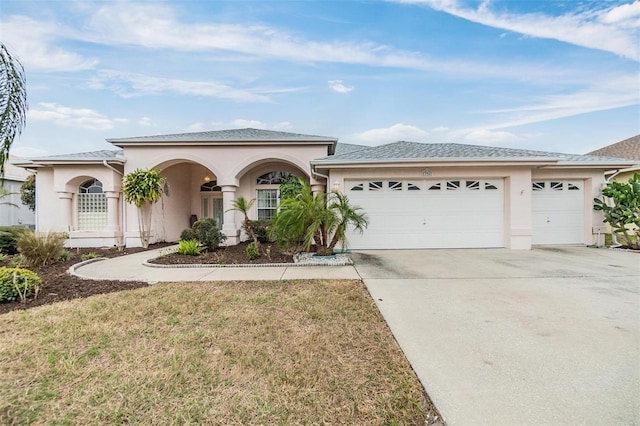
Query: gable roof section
pixel 343 148
pixel 247 136
pixel 628 148
pixel 403 151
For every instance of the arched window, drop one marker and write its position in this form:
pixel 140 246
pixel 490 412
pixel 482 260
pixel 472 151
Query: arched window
pixel 273 178
pixel 92 206
pixel 211 186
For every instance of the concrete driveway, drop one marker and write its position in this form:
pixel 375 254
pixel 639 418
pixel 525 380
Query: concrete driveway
pixel 505 337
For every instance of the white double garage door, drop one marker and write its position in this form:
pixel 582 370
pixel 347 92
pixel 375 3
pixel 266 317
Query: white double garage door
pixel 459 213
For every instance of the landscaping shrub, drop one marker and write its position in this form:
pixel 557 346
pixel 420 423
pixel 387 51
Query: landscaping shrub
pixel 40 249
pixel 260 228
pixel 9 239
pixel 189 247
pixel 205 232
pixel 66 255
pixel 88 256
pixel 253 251
pixel 26 281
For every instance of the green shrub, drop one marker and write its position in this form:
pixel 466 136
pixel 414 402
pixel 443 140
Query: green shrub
pixel 40 249
pixel 253 251
pixel 89 256
pixel 65 255
pixel 260 228
pixel 17 283
pixel 9 238
pixel 205 232
pixel 188 234
pixel 189 247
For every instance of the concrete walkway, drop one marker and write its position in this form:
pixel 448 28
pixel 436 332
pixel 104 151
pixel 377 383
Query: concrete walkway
pixel 131 268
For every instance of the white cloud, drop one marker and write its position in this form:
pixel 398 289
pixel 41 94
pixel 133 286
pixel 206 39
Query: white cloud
pixel 156 26
pixel 610 93
pixel 625 14
pixel 605 29
pixel 242 123
pixel 130 85
pixel 396 132
pixel 283 125
pixel 34 43
pixel 196 127
pixel 339 87
pixel 491 137
pixel 145 121
pixel 28 152
pixel 83 118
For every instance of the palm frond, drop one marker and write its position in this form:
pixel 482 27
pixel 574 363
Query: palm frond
pixel 13 102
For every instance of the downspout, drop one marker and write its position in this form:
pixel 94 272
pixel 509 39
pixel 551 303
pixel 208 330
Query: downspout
pixel 124 209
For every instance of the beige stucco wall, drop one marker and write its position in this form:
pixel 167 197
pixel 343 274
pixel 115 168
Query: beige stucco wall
pixel 185 168
pixel 56 202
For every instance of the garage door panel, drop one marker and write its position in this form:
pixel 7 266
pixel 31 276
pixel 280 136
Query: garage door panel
pixel 558 212
pixel 465 215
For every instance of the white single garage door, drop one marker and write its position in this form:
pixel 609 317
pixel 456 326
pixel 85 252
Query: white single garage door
pixel 558 212
pixel 451 213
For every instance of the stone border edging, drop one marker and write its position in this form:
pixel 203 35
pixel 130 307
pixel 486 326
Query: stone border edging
pixel 72 268
pixel 339 260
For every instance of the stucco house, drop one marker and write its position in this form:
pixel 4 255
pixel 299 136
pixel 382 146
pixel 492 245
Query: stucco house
pixel 416 195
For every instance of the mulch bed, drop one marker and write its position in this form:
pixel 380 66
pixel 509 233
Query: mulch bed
pixel 58 285
pixel 232 255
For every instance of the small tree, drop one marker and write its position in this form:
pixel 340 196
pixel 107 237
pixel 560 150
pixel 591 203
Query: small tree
pixel 291 187
pixel 28 192
pixel 143 188
pixel 620 204
pixel 243 206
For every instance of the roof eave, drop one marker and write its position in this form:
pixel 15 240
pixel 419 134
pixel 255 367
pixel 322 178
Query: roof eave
pixel 248 142
pixel 537 161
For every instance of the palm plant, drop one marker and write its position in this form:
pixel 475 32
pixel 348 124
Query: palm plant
pixel 318 219
pixel 143 188
pixel 243 206
pixel 13 102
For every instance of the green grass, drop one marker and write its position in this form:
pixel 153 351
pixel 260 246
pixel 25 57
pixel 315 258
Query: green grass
pixel 303 352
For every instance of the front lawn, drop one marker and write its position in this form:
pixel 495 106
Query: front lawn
pixel 290 352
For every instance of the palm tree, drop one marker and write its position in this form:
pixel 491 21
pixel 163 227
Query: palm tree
pixel 13 102
pixel 243 206
pixel 143 188
pixel 310 219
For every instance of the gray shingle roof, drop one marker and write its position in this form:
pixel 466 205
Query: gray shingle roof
pixel 235 135
pixel 343 148
pixel 628 148
pixel 414 151
pixel 104 154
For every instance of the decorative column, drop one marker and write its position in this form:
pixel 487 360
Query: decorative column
pixel 66 213
pixel 229 227
pixel 112 210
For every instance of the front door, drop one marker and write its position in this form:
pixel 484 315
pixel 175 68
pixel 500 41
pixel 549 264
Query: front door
pixel 212 208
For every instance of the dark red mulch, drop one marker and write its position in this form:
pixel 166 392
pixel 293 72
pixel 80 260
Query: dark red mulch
pixel 58 285
pixel 232 255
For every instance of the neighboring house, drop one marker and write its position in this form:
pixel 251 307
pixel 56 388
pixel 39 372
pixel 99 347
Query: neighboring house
pixel 628 149
pixel 415 195
pixel 12 211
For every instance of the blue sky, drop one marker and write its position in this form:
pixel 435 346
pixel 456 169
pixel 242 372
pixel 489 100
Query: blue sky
pixel 549 74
